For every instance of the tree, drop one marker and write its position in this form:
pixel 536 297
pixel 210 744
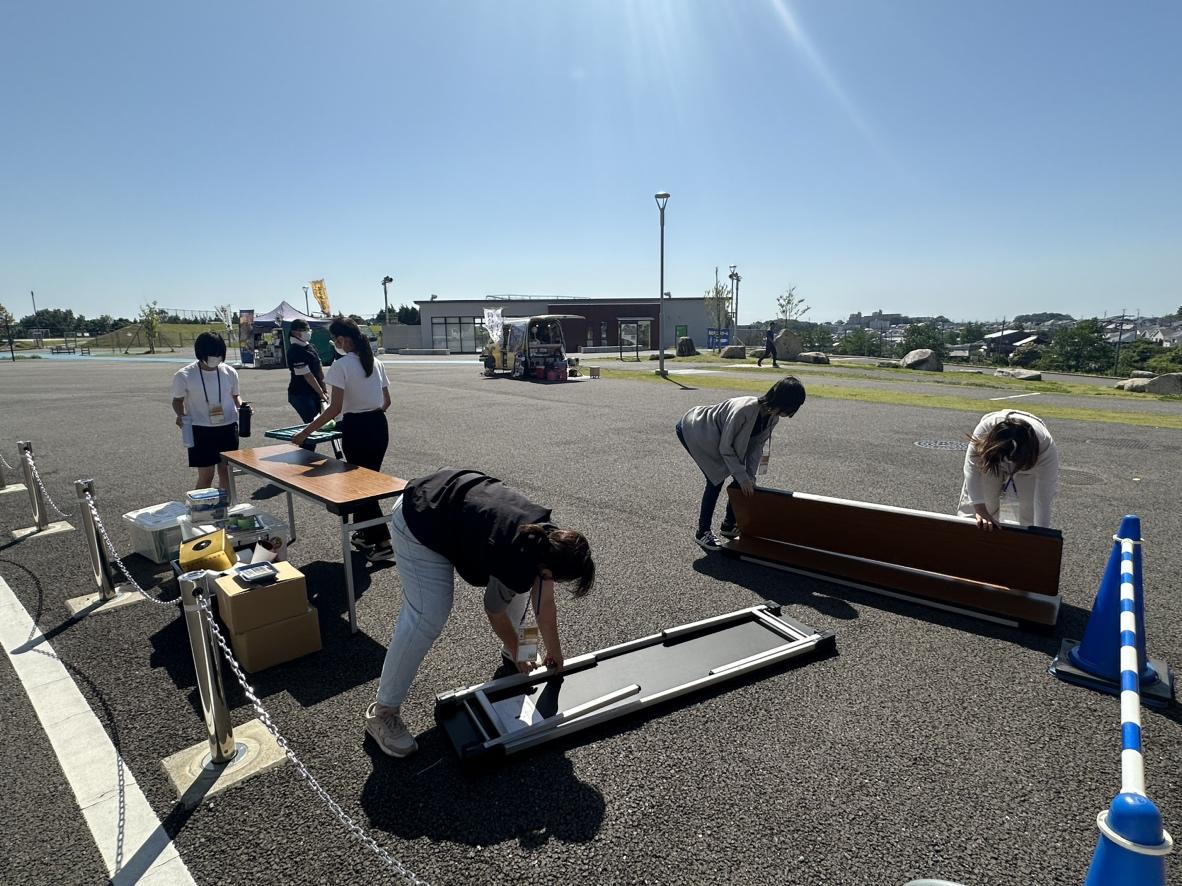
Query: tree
pixel 718 299
pixel 791 306
pixel 972 332
pixel 408 315
pixel 1079 348
pixel 1136 355
pixel 816 337
pixel 861 343
pixel 925 335
pixel 150 324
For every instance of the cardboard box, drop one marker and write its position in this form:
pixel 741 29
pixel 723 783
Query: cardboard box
pixel 245 607
pixel 278 642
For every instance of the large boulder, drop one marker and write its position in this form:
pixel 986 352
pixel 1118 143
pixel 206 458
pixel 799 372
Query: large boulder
pixel 1023 374
pixel 787 344
pixel 734 352
pixel 685 347
pixel 922 358
pixel 1134 385
pixel 1170 383
pixel 887 364
pixel 811 357
pixel 1143 373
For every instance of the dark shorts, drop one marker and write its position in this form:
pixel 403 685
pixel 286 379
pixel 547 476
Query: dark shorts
pixel 210 442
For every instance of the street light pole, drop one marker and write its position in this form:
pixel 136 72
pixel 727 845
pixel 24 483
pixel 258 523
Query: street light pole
pixel 307 309
pixel 386 300
pixel 662 198
pixel 33 295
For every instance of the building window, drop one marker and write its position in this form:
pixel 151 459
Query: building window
pixel 460 335
pixel 603 333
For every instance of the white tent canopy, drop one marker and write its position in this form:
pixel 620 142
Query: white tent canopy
pixel 285 313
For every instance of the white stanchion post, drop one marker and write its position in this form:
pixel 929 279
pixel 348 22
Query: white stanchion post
pixel 207 664
pixel 40 517
pixel 100 563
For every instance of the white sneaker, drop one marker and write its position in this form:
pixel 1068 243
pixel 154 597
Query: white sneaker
pixel 390 733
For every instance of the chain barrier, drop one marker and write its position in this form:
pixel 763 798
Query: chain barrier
pixel 261 712
pixel 98 523
pixel 41 484
pixel 343 817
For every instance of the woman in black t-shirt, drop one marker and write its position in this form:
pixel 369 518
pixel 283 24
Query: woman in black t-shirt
pixel 468 522
pixel 305 391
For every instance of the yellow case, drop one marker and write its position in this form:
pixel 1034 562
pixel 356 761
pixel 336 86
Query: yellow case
pixel 212 551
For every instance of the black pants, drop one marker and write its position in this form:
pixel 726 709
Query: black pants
pixel 307 404
pixel 709 496
pixel 770 352
pixel 364 437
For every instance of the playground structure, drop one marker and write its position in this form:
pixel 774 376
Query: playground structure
pixel 1010 576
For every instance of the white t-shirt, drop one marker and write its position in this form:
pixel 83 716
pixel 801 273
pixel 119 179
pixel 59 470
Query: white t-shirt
pixel 362 394
pixel 200 387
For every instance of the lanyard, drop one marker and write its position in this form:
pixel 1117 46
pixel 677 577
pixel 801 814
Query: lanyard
pixel 201 375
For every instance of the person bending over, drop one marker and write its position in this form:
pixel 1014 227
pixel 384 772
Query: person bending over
pixel 1011 456
pixel 205 400
pixel 726 440
pixel 468 522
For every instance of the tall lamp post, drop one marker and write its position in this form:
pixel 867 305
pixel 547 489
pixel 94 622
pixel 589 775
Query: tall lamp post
pixel 306 307
pixel 662 198
pixel 735 278
pixel 385 300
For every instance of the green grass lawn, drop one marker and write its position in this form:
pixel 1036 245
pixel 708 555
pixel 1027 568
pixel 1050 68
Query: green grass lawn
pixel 738 382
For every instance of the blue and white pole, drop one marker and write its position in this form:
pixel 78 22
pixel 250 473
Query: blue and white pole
pixel 1133 844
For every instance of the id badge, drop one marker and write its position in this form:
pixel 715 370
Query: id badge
pixel 217 415
pixel 764 457
pixel 528 637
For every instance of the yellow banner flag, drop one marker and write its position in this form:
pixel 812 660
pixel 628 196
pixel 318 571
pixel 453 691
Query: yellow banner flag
pixel 320 293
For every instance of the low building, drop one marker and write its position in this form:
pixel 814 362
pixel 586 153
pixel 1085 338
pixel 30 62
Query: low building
pixel 457 325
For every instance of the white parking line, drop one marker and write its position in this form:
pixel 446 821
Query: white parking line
pixel 1016 396
pixel 134 847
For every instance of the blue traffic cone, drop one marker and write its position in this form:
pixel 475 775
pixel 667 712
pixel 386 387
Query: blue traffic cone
pixel 1098 653
pixel 1133 845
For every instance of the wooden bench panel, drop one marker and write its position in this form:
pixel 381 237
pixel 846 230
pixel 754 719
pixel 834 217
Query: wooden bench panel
pixel 1020 559
pixel 1012 573
pixel 1032 609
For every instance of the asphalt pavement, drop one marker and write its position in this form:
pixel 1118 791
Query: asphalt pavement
pixel 930 745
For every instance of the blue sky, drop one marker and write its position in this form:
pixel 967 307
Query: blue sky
pixel 925 157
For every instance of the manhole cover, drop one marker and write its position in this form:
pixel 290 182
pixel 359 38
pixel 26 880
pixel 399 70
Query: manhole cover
pixel 1125 443
pixel 1079 478
pixel 946 445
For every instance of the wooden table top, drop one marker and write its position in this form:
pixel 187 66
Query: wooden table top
pixel 338 484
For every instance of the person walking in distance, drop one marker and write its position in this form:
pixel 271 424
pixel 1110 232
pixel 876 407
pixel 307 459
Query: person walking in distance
pixel 769 347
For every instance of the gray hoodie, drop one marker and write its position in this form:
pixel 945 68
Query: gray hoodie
pixel 720 440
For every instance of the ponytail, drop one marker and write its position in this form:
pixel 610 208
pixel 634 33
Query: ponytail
pixel 564 552
pixel 348 328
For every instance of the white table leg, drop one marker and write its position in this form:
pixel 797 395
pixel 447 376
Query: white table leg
pixel 347 556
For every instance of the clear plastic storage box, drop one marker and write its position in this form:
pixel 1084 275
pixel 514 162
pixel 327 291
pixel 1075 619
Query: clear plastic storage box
pixel 156 530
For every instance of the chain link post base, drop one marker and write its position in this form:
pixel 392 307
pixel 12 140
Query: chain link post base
pixel 208 665
pixel 40 517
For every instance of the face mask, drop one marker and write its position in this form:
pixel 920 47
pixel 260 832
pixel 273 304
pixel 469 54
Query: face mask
pixel 212 362
pixel 339 350
pixel 300 336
